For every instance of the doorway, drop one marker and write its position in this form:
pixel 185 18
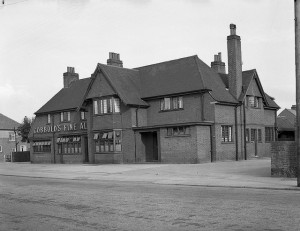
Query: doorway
pixel 150 142
pixel 86 149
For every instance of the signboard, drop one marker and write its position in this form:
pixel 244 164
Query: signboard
pixel 61 128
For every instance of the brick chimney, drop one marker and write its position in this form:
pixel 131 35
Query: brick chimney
pixel 234 62
pixel 217 64
pixel 114 60
pixel 70 76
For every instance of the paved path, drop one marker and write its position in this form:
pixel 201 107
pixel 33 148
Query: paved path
pixel 241 174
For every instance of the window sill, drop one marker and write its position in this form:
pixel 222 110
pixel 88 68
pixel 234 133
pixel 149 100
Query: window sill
pixel 229 142
pixel 177 136
pixel 69 154
pixel 108 152
pixel 180 109
pixel 104 114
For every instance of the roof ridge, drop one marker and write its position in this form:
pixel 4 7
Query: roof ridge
pixel 172 60
pixel 123 68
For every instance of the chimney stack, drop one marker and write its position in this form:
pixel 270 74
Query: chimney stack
pixel 70 76
pixel 217 64
pixel 293 107
pixel 114 60
pixel 234 62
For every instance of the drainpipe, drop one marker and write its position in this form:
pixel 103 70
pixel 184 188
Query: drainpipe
pixel 245 142
pixel 236 134
pixel 136 124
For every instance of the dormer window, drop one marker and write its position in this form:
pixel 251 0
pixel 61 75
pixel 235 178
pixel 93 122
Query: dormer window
pixel 171 103
pixel 110 105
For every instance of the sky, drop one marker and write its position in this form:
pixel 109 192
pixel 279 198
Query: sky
pixel 40 38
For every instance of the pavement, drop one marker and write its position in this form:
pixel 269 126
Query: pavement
pixel 233 174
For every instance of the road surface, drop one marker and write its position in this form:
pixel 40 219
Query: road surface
pixel 57 204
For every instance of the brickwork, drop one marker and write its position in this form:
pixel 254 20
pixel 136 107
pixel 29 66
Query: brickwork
pixel 284 159
pixel 203 137
pixel 109 158
pixel 190 113
pixel 179 149
pixel 41 158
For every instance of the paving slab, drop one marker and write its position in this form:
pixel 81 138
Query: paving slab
pixel 239 174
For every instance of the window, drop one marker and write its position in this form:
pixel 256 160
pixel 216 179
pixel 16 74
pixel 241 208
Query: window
pixel 226 132
pixel 42 146
pixel 83 115
pixel 259 139
pixel 247 135
pixel 69 145
pixel 108 141
pixel 269 134
pixel 174 103
pixel 253 135
pixel 48 118
pixel 178 131
pixel 0 148
pixel 253 101
pixel 12 136
pixel 65 116
pixel 107 106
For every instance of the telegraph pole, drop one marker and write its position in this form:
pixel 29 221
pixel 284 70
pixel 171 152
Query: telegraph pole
pixel 297 58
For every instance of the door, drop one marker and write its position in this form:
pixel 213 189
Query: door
pixel 150 142
pixel 86 150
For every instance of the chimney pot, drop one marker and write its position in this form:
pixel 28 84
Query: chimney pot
pixel 114 60
pixel 232 29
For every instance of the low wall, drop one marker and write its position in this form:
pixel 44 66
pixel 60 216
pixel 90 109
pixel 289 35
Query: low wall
pixel 21 156
pixel 284 159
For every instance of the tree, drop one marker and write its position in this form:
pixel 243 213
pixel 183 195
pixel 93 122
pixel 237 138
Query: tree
pixel 24 129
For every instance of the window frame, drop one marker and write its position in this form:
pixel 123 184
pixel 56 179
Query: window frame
pixel 173 103
pixel 82 115
pixel 226 134
pixel 48 119
pixel 41 146
pixel 1 149
pixel 65 116
pixel 269 134
pixel 178 131
pixel 107 105
pixel 12 137
pixel 108 141
pixel 255 103
pixel 69 145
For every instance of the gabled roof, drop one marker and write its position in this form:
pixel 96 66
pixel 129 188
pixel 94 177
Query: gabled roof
pixel 292 111
pixel 67 98
pixel 125 82
pixel 7 123
pixel 248 76
pixel 183 75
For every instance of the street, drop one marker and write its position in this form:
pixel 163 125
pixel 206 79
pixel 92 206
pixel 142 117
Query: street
pixel 62 204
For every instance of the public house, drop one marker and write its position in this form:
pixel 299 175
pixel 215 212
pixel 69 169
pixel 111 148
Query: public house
pixel 178 111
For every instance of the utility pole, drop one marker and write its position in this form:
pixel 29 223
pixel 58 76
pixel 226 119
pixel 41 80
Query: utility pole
pixel 297 58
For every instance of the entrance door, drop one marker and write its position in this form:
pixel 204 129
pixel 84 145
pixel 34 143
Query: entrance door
pixel 149 140
pixel 86 150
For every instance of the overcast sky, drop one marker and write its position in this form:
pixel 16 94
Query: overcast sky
pixel 40 38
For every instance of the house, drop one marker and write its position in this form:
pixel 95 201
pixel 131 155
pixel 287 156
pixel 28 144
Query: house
pixel 286 123
pixel 10 141
pixel 178 111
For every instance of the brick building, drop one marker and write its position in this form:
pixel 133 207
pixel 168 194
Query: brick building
pixel 179 111
pixel 9 139
pixel 286 123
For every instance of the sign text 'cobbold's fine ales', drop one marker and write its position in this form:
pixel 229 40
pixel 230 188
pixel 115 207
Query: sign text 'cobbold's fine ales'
pixel 61 127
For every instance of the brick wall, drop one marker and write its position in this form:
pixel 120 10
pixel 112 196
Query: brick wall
pixel 179 149
pixel 284 159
